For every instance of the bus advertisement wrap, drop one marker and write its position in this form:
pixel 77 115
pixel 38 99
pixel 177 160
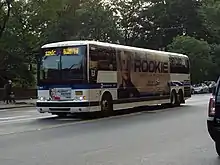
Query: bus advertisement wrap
pixel 141 75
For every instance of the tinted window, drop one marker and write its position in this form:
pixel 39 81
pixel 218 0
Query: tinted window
pixel 179 65
pixel 73 65
pixel 105 57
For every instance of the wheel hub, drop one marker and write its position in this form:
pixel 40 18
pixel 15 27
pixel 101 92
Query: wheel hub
pixel 105 104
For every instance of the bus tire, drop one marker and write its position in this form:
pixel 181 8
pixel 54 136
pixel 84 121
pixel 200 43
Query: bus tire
pixel 106 105
pixel 173 98
pixel 181 96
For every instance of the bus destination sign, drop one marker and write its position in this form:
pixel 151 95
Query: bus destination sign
pixel 66 51
pixel 70 51
pixel 50 53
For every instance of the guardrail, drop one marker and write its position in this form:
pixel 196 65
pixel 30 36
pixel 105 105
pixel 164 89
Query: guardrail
pixel 21 93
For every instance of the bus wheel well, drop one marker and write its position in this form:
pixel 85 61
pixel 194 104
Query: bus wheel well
pixel 106 104
pixel 173 91
pixel 107 94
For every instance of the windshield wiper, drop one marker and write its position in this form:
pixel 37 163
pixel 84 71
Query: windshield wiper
pixel 72 66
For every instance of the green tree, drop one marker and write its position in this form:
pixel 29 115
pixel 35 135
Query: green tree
pixel 171 18
pixel 209 13
pixel 128 18
pixel 68 20
pixel 215 53
pixel 16 45
pixel 5 9
pixel 97 22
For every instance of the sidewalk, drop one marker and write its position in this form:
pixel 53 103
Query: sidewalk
pixel 19 104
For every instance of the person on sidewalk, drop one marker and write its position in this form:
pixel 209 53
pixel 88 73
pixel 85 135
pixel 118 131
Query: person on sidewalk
pixel 9 95
pixel 5 99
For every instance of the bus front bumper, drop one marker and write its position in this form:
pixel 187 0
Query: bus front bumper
pixel 67 107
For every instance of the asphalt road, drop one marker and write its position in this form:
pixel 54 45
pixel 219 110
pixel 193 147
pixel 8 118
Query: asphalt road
pixel 176 136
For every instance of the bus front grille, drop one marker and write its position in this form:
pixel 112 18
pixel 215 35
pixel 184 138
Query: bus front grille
pixel 59 109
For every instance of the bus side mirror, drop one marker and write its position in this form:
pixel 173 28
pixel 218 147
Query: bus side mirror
pixel 214 90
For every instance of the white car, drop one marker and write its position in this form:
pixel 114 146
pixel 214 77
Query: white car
pixel 200 88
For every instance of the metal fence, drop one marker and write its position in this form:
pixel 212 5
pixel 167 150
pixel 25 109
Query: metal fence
pixel 21 93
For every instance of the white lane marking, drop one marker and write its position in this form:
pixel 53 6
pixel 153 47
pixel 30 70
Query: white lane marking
pixel 17 110
pixel 64 124
pixel 26 119
pixel 14 117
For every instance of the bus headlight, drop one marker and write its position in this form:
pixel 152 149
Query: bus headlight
pixel 42 98
pixel 81 98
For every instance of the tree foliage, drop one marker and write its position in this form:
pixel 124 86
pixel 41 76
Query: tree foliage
pixel 191 27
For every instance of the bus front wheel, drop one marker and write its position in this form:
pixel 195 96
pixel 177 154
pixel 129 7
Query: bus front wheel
pixel 106 104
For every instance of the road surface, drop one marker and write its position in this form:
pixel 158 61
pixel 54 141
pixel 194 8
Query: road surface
pixel 176 136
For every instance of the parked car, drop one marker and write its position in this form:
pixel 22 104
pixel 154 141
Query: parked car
pixel 210 84
pixel 192 90
pixel 200 88
pixel 213 121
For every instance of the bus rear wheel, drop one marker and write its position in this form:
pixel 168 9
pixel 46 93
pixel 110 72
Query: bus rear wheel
pixel 173 99
pixel 181 97
pixel 106 105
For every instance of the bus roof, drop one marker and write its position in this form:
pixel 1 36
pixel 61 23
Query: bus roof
pixel 85 42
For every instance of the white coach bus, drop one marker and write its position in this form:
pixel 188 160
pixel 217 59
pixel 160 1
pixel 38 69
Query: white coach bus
pixel 90 76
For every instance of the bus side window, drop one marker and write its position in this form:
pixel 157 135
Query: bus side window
pixel 101 58
pixel 106 59
pixel 93 54
pixel 178 65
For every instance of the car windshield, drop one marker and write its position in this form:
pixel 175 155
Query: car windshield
pixel 63 63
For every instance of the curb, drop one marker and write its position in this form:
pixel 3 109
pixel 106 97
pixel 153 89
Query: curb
pixel 18 107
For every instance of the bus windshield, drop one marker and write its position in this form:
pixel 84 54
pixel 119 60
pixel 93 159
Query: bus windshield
pixel 63 64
